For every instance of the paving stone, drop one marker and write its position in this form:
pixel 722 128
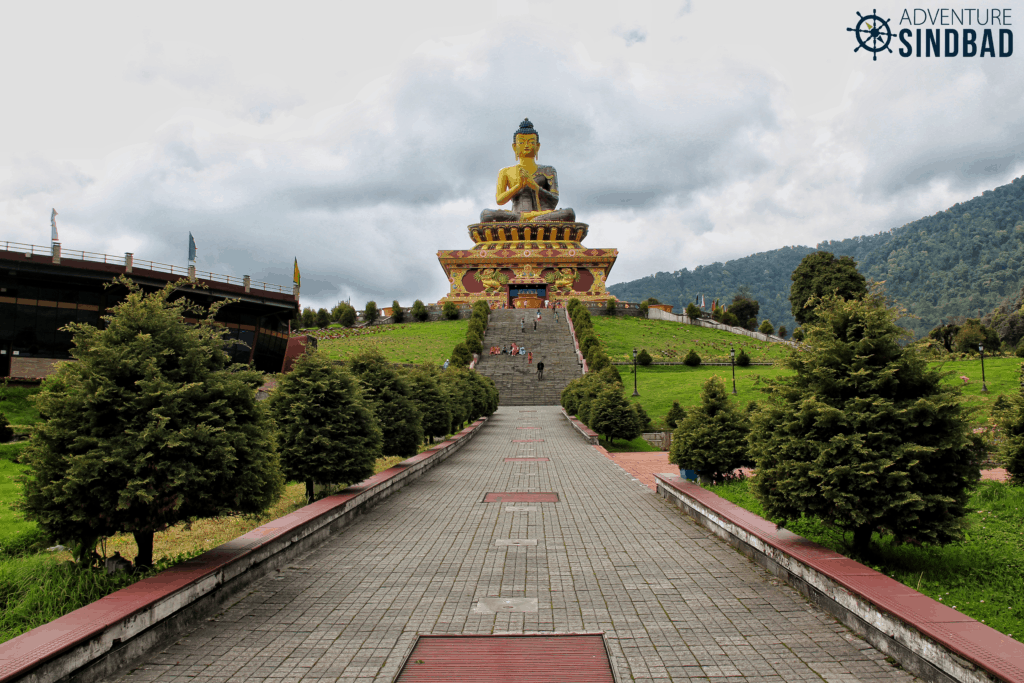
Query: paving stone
pixel 675 603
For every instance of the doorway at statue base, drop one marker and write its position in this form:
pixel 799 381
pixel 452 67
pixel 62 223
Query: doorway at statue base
pixel 524 273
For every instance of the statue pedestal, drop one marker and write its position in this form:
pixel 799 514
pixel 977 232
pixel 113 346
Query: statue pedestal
pixel 547 259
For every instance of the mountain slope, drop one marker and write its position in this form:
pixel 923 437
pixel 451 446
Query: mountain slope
pixel 958 262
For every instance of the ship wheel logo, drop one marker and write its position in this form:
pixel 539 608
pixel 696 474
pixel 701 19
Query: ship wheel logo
pixel 873 34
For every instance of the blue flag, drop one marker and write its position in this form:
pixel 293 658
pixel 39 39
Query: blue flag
pixel 191 248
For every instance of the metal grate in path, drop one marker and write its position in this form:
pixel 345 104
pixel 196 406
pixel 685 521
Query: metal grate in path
pixel 519 497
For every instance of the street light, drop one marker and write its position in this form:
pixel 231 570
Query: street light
pixel 732 362
pixel 635 392
pixel 984 388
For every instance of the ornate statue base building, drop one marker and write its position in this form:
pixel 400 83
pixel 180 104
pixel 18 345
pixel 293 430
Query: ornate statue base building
pixel 519 265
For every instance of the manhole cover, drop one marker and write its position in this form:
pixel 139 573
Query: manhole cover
pixel 548 658
pixel 520 508
pixel 509 605
pixel 527 440
pixel 527 427
pixel 527 459
pixel 519 497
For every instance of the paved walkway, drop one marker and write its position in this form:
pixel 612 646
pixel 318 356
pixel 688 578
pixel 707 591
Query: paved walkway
pixel 675 603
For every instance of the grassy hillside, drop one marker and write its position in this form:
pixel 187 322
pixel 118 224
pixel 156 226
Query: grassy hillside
pixel 958 262
pixel 430 342
pixel 668 341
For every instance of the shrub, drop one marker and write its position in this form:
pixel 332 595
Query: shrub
pixel 751 324
pixel 692 359
pixel 6 431
pixel 610 306
pixel 475 327
pixel 450 311
pixel 1020 350
pixel 644 308
pixel 348 316
pixel 461 355
pixel 597 359
pixel 644 358
pixel 323 318
pixel 370 313
pixel 397 314
pixel 482 309
pixel 308 317
pixel 460 396
pixel 433 402
pixel 712 438
pixel 388 392
pixel 326 429
pixel 742 359
pixel 419 311
pixel 473 343
pixel 151 426
pixel 781 334
pixel 865 435
pixel 587 340
pixel 766 327
pixel 692 312
pixel 613 416
pixel 729 318
pixel 798 334
pixel 675 415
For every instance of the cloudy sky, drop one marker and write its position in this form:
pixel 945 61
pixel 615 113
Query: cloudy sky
pixel 363 137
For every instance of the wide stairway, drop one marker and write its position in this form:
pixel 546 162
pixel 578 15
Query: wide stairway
pixel 551 344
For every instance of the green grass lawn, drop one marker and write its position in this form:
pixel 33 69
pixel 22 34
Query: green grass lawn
pixel 429 342
pixel 1002 376
pixel 13 528
pixel 659 385
pixel 15 404
pixel 668 341
pixel 980 577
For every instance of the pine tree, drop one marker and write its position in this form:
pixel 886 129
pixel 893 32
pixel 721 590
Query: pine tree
pixel 323 318
pixel 643 358
pixel 389 393
pixel 327 430
pixel 370 313
pixel 397 314
pixel 461 355
pixel 613 416
pixel 742 359
pixel 450 311
pixel 432 400
pixel 676 414
pixel 712 438
pixel 419 311
pixel 308 317
pixel 348 316
pixel 692 359
pixel 151 426
pixel 865 436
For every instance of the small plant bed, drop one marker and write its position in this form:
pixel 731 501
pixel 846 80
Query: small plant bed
pixel 980 577
pixel 669 341
pixel 660 385
pixel 39 587
pixel 429 342
pixel 637 445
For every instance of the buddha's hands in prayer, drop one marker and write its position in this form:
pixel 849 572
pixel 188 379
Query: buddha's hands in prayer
pixel 526 180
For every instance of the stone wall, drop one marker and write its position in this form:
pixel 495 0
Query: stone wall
pixel 24 367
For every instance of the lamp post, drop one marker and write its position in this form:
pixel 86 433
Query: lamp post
pixel 732 362
pixel 981 349
pixel 635 392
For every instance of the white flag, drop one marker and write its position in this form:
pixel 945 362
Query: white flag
pixel 53 226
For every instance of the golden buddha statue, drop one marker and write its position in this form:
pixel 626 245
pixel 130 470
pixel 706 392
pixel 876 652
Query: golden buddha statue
pixel 532 188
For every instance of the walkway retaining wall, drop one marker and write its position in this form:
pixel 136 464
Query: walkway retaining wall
pixel 929 639
pixel 105 635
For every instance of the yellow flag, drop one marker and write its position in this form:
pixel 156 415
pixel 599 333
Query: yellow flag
pixel 295 276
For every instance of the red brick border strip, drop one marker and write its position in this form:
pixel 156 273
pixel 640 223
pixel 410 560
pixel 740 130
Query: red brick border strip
pixel 103 636
pixel 926 637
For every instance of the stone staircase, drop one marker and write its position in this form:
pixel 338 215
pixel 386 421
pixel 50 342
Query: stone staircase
pixel 552 343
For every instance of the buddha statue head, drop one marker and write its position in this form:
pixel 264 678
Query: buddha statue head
pixel 526 140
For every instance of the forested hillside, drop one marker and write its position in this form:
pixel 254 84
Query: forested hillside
pixel 959 262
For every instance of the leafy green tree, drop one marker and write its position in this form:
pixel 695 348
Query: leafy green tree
pixel 972 333
pixel 580 393
pixel 389 393
pixel 450 311
pixel 744 307
pixel 327 430
pixel 323 318
pixel 944 333
pixel 692 311
pixel 370 313
pixel 644 308
pixel 692 359
pixel 651 301
pixel 766 327
pixel 781 334
pixel 742 359
pixel 798 334
pixel 821 274
pixel 751 324
pixel 712 438
pixel 348 316
pixel 613 416
pixel 1009 414
pixel 644 358
pixel 151 426
pixel 419 311
pixel 865 435
pixel 397 314
pixel 729 318
pixel 675 415
pixel 433 402
pixel 308 317
pixel 461 355
pixel 337 311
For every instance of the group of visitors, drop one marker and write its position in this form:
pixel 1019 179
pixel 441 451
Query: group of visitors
pixel 513 350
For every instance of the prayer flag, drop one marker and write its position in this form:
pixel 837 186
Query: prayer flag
pixel 53 226
pixel 191 247
pixel 295 276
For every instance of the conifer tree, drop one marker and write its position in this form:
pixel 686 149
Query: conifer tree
pixel 461 355
pixel 370 313
pixel 675 415
pixel 327 430
pixel 450 311
pixel 348 316
pixel 323 318
pixel 692 359
pixel 419 311
pixel 397 314
pixel 613 416
pixel 712 438
pixel 766 327
pixel 151 426
pixel 865 436
pixel 433 401
pixel 389 393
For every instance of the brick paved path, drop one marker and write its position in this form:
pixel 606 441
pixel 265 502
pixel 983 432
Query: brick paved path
pixel 675 603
